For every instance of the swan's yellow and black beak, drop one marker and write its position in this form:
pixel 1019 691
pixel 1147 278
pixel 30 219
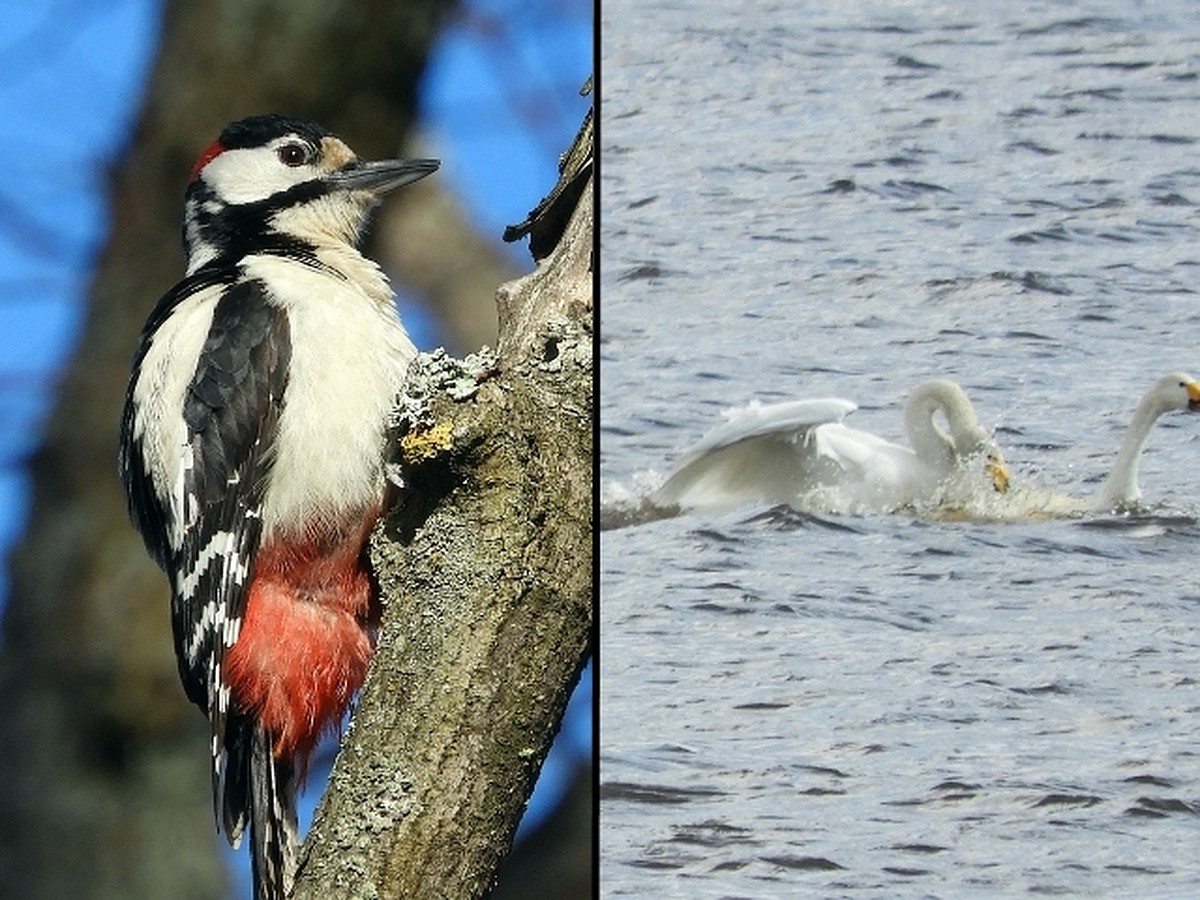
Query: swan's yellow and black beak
pixel 998 472
pixel 1193 392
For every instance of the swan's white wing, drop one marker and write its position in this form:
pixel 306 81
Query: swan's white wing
pixel 763 453
pixel 784 421
pixel 872 467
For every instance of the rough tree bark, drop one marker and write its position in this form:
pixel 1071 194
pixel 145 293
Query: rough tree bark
pixel 105 791
pixel 486 568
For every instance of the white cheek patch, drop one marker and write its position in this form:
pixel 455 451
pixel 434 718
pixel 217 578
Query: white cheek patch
pixel 249 175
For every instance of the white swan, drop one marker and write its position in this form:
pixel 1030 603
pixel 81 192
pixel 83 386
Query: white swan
pixel 800 451
pixel 1171 393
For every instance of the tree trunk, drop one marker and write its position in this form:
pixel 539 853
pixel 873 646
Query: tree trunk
pixel 486 570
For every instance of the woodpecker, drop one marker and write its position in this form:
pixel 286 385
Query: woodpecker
pixel 252 454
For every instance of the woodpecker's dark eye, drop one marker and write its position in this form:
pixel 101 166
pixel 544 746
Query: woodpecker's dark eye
pixel 292 155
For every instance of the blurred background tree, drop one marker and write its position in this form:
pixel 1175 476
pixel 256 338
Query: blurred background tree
pixel 106 791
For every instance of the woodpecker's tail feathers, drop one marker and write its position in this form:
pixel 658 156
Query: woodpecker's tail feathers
pixel 274 839
pixel 258 789
pixel 231 778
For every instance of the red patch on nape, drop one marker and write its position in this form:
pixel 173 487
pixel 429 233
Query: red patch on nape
pixel 215 149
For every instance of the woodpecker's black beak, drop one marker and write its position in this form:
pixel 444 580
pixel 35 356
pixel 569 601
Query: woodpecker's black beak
pixel 382 176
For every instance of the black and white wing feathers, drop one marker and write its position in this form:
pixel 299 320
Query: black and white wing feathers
pixel 205 526
pixel 231 409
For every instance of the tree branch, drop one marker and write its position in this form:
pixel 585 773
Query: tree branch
pixel 485 567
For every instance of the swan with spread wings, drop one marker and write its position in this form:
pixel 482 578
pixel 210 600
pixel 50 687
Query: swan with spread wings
pixel 801 453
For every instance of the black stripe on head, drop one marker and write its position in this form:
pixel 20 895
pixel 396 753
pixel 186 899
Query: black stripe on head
pixel 258 131
pixel 232 231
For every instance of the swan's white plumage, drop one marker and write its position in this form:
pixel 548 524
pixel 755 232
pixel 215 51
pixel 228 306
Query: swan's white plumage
pixel 801 453
pixel 1176 392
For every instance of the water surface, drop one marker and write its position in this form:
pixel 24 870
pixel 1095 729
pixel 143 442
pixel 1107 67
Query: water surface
pixel 801 201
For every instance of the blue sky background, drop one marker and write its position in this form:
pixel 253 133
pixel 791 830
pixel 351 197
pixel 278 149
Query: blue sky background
pixel 500 104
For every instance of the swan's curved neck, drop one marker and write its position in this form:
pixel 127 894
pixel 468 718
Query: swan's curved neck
pixel 1121 486
pixel 928 441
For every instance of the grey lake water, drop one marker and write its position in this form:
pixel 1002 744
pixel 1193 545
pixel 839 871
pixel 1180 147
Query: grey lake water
pixel 806 200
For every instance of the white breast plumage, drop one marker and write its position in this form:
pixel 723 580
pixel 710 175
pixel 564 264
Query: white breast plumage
pixel 349 356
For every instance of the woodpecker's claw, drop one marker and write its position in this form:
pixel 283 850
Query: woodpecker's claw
pixel 383 175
